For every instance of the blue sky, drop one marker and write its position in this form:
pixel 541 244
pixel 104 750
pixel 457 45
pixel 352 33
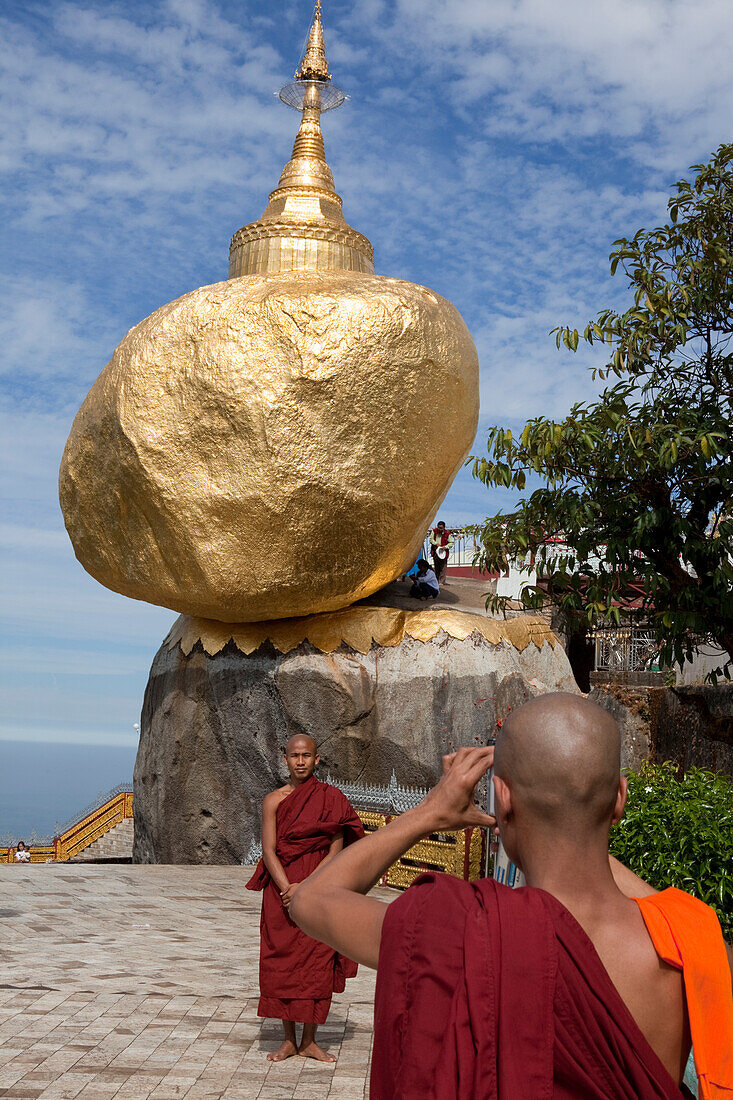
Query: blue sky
pixel 492 149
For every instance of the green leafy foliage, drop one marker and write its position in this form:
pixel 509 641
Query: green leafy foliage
pixel 679 832
pixel 639 483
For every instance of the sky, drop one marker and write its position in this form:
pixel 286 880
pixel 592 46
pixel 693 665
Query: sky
pixel 491 149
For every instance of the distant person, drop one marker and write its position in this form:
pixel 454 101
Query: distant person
pixel 304 824
pixel 22 855
pixel 587 984
pixel 441 542
pixel 425 584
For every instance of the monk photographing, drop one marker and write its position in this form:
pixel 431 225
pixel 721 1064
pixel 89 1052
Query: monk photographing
pixel 566 989
pixel 304 825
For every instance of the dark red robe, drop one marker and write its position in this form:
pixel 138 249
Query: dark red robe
pixel 487 993
pixel 298 975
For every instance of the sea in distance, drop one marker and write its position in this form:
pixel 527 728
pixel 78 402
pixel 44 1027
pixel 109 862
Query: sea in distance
pixel 42 783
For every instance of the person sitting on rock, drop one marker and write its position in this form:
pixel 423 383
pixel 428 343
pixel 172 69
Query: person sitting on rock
pixel 304 824
pixel 586 984
pixel 425 585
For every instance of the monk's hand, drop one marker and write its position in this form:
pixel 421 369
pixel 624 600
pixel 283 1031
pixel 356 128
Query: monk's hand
pixel 287 895
pixel 451 803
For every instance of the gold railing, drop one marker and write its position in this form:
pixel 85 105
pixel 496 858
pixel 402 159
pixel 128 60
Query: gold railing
pixel 39 853
pixel 91 828
pixel 80 835
pixel 459 854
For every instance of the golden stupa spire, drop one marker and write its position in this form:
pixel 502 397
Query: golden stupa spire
pixel 314 65
pixel 307 166
pixel 303 228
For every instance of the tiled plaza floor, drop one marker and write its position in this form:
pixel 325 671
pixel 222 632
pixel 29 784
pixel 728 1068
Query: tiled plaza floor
pixel 138 982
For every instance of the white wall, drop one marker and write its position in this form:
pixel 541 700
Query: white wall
pixel 706 658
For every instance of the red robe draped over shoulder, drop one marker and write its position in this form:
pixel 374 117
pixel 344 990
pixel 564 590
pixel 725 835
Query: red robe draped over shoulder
pixel 298 975
pixel 488 993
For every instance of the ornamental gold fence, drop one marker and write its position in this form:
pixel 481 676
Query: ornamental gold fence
pixel 39 853
pixel 460 854
pixel 107 812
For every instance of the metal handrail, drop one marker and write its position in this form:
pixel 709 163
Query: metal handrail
pixel 34 840
pixel 100 800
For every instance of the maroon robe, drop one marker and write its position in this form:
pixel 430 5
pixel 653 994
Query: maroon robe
pixel 487 993
pixel 298 975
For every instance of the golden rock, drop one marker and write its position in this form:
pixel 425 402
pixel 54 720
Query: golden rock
pixel 275 445
pixel 271 446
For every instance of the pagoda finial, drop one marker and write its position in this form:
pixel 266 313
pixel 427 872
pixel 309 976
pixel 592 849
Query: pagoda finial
pixel 304 207
pixel 312 93
pixel 314 65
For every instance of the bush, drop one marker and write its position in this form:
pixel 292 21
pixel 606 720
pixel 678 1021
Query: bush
pixel 679 832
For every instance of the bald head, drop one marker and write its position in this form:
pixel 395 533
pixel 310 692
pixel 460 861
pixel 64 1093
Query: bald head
pixel 301 757
pixel 560 756
pixel 298 739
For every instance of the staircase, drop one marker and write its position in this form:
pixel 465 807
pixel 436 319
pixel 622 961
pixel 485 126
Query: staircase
pixel 103 831
pixel 115 844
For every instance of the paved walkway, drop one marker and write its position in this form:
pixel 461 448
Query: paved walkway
pixel 138 982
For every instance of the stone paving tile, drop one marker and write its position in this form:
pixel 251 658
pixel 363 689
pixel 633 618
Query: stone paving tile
pixel 123 983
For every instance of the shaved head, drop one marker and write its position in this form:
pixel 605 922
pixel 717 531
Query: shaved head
pixel 297 738
pixel 301 757
pixel 560 756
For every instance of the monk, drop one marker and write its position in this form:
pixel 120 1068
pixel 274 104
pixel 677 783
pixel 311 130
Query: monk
pixel 584 985
pixel 304 824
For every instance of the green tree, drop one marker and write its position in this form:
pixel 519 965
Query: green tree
pixel 639 483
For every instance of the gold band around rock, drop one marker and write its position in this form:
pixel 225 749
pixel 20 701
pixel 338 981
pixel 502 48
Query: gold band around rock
pixel 358 628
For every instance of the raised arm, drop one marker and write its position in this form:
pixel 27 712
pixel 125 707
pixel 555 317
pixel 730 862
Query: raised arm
pixel 330 906
pixel 269 840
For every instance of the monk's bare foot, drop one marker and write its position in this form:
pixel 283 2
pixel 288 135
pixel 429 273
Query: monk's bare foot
pixel 314 1051
pixel 287 1050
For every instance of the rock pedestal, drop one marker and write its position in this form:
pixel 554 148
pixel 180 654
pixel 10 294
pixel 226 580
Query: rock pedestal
pixel 222 701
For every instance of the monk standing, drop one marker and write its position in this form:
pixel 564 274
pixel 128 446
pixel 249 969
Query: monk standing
pixel 585 985
pixel 304 825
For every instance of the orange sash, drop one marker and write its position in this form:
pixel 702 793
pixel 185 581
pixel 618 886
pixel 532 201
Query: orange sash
pixel 686 934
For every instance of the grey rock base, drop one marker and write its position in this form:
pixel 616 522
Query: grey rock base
pixel 213 728
pixel 629 707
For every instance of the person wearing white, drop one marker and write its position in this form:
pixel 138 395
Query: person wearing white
pixel 425 584
pixel 441 541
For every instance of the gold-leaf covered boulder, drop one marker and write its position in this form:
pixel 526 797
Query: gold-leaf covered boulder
pixel 271 446
pixel 275 445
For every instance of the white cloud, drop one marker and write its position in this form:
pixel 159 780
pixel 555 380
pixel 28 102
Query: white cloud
pixel 168 109
pixel 657 73
pixel 45 594
pixel 50 329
